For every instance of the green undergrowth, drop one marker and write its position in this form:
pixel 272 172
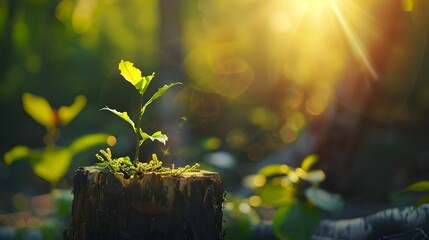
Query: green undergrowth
pixel 130 169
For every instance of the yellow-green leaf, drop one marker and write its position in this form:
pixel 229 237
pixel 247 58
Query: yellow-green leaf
pixel 53 163
pixel 275 169
pixel 88 141
pixel 421 201
pixel 418 186
pixel 17 153
pixel 309 161
pixel 130 73
pixel 39 109
pixel 67 113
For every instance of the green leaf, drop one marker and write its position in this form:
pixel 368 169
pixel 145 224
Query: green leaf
pixel 275 195
pixel 296 221
pixel 123 115
pixel 67 113
pixel 159 93
pixel 87 141
pixel 421 201
pixel 131 73
pixel 418 186
pixel 52 164
pixel 324 200
pixel 274 169
pixel 159 136
pixel 17 153
pixel 309 161
pixel 39 109
pixel 314 177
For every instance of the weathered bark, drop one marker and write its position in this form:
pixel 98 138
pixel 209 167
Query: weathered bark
pixel 154 206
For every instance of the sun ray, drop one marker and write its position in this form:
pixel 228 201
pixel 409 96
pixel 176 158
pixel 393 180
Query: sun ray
pixel 354 40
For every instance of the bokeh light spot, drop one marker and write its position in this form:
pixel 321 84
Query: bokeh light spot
pixel 111 141
pixel 407 5
pixel 287 134
pixel 255 201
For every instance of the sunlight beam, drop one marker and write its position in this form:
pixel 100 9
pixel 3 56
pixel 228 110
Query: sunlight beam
pixel 354 41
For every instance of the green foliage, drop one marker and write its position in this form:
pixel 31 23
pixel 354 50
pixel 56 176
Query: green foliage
pixel 130 169
pixel 52 162
pixel 134 76
pixel 295 196
pixel 296 221
pixel 419 187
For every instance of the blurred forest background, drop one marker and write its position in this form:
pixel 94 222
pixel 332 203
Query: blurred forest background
pixel 264 81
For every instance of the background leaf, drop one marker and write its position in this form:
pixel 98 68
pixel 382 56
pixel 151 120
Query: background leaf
pixel 418 186
pixel 123 115
pixel 296 221
pixel 39 109
pixel 309 161
pixel 274 169
pixel 17 153
pixel 52 164
pixel 324 200
pixel 68 113
pixel 87 141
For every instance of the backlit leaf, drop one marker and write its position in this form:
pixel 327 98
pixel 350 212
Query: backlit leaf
pixel 39 109
pixel 159 136
pixel 314 177
pixel 296 221
pixel 123 115
pixel 159 93
pixel 68 113
pixel 274 169
pixel 309 161
pixel 17 153
pixel 421 201
pixel 88 141
pixel 52 164
pixel 275 195
pixel 132 74
pixel 324 200
pixel 418 186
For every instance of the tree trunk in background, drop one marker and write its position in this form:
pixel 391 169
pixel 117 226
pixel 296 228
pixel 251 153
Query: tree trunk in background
pixel 109 206
pixel 348 122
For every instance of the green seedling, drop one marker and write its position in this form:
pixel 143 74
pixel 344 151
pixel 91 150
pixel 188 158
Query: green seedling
pixel 124 164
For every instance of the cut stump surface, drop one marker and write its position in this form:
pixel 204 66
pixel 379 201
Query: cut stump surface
pixel 152 206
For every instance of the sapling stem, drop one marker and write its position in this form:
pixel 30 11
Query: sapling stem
pixel 139 120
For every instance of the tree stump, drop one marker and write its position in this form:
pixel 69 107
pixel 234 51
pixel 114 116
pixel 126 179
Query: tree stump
pixel 153 206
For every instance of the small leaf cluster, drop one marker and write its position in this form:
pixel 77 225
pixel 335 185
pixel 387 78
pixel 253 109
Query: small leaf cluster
pixel 130 169
pixel 295 195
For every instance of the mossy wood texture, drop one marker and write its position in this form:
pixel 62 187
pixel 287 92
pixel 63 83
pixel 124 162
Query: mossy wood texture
pixel 152 206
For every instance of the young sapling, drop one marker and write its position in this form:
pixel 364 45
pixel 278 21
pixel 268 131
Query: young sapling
pixel 123 164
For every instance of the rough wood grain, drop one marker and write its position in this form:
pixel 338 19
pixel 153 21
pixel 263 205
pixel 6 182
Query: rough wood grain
pixel 153 206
